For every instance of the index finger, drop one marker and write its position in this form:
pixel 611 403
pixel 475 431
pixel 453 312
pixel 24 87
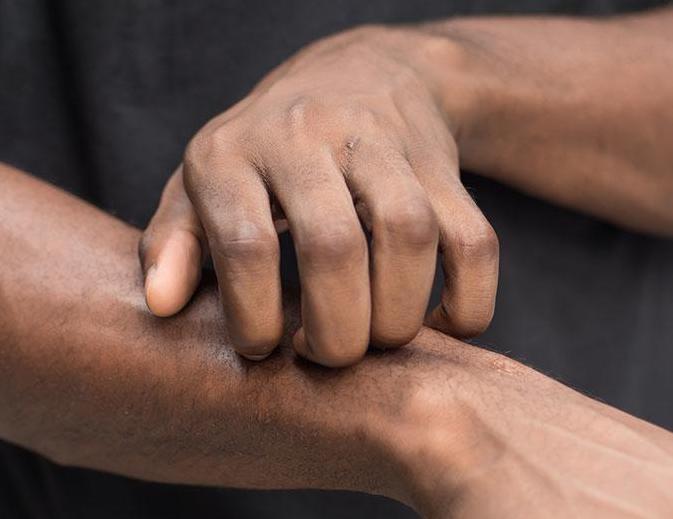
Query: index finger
pixel 234 208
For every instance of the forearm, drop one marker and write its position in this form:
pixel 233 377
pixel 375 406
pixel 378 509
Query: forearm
pixel 576 111
pixel 89 378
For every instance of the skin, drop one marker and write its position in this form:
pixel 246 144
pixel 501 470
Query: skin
pixel 89 378
pixel 361 133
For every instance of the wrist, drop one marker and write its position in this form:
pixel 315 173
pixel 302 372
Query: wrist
pixel 436 435
pixel 483 95
pixel 450 69
pixel 450 429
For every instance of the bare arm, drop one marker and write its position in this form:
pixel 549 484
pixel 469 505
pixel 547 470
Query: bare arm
pixel 578 111
pixel 369 128
pixel 89 378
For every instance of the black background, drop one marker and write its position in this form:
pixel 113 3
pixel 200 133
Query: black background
pixel 100 98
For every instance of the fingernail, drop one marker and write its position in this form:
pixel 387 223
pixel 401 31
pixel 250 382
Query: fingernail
pixel 149 279
pixel 152 292
pixel 255 358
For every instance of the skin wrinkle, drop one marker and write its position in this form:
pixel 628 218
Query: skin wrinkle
pixel 104 385
pixel 348 88
pixel 558 482
pixel 396 385
pixel 655 461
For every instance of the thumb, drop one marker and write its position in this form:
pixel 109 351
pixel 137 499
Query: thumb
pixel 171 251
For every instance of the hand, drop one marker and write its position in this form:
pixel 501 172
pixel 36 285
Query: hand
pixel 346 134
pixel 451 429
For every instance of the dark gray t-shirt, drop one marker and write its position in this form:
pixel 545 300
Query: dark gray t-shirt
pixel 100 99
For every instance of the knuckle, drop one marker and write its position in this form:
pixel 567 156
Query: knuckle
pixel 246 243
pixel 414 222
pixel 478 242
pixel 197 149
pixel 302 115
pixel 307 116
pixel 332 244
pixel 222 138
pixel 194 159
pixel 206 145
